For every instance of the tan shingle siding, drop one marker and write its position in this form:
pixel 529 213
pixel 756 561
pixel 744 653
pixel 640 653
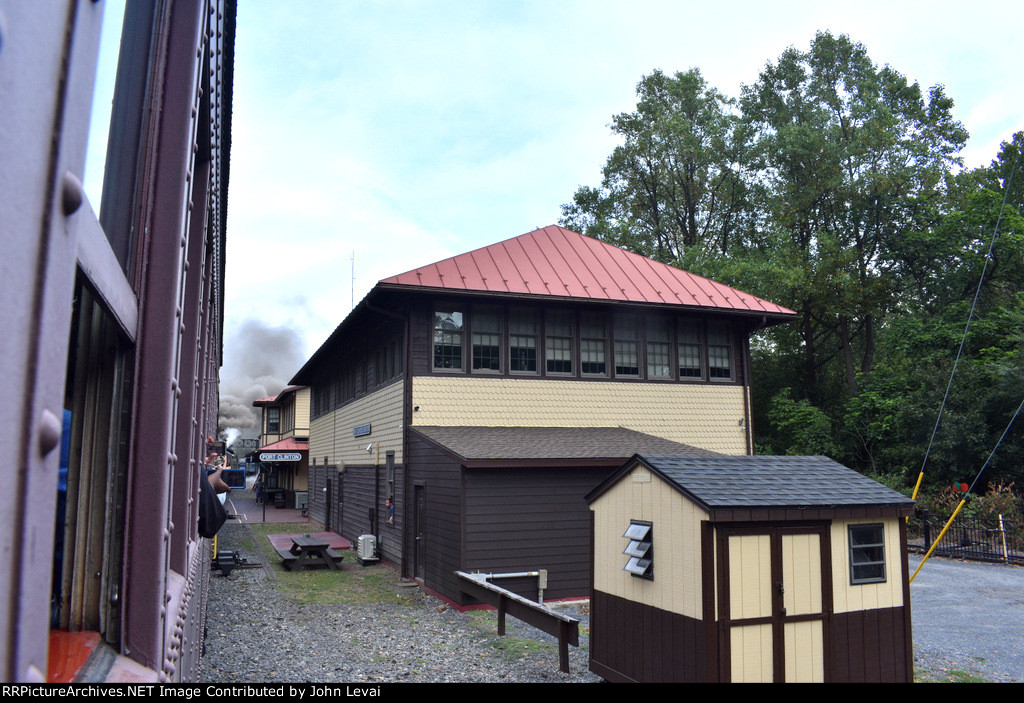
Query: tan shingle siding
pixel 703 415
pixel 331 434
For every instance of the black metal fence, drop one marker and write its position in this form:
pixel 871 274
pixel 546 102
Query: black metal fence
pixel 983 539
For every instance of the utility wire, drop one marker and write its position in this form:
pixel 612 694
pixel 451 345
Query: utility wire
pixel 971 488
pixel 970 317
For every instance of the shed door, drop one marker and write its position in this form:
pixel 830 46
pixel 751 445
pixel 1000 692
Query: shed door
pixel 773 600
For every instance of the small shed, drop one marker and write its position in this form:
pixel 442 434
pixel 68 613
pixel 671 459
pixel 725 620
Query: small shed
pixel 748 569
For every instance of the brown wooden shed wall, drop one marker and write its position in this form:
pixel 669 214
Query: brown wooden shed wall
pixel 869 645
pixel 638 642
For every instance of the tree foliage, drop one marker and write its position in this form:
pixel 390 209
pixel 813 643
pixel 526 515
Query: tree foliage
pixel 834 187
pixel 673 184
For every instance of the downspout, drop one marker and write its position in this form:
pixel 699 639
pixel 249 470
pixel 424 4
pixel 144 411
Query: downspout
pixel 747 385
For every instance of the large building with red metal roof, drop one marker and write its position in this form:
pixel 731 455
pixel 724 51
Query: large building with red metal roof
pixel 488 393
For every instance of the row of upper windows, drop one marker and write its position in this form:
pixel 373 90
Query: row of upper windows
pixel 356 376
pixel 527 341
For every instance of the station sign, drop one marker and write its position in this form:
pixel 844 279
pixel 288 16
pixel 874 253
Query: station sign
pixel 280 456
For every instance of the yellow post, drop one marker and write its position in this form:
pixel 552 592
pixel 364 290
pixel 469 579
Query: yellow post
pixel 936 543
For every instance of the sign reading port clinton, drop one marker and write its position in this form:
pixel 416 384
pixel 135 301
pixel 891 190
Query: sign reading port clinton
pixel 280 456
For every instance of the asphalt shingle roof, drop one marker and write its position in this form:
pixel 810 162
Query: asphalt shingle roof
pixel 720 482
pixel 509 443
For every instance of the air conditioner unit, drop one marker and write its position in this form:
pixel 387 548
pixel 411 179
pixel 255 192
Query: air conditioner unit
pixel 367 548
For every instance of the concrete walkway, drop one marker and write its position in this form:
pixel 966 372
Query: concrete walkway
pixel 242 502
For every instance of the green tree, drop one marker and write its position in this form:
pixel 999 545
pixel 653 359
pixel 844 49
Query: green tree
pixel 850 158
pixel 940 269
pixel 675 182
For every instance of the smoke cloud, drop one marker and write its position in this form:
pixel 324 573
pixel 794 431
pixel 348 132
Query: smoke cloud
pixel 258 361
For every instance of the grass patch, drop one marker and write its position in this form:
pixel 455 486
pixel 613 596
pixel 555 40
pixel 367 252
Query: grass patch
pixel 519 647
pixel 351 584
pixel 509 647
pixel 950 676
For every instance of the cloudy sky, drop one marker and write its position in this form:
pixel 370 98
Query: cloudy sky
pixel 400 133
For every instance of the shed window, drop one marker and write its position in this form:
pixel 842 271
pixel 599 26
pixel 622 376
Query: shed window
pixel 273 420
pixel 867 553
pixel 640 549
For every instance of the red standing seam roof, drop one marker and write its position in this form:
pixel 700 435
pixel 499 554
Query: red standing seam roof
pixel 275 398
pixel 559 262
pixel 289 444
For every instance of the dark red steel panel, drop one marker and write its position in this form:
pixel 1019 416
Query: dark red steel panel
pixel 560 262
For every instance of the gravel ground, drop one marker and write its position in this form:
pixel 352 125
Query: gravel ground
pixel 968 620
pixel 257 635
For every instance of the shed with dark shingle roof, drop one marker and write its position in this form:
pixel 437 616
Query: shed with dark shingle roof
pixel 748 568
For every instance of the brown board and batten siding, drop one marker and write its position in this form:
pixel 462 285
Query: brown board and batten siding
pixel 748 523
pixel 525 519
pixel 439 477
pixel 422 335
pixel 515 499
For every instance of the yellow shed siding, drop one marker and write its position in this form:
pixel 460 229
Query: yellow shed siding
pixel 752 654
pixel 331 434
pixel 866 596
pixel 801 572
pixel 676 523
pixel 750 588
pixel 805 652
pixel 703 415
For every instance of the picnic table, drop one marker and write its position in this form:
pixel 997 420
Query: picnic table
pixel 309 551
